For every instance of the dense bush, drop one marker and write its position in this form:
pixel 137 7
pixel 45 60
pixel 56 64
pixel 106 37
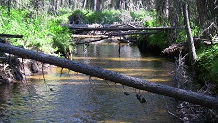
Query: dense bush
pixel 157 41
pixel 108 16
pixel 39 31
pixel 207 64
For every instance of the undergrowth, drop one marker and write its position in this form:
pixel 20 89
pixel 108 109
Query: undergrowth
pixel 109 16
pixel 40 31
pixel 207 64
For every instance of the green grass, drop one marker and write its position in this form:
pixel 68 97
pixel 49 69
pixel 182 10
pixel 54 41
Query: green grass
pixel 39 31
pixel 43 32
pixel 207 64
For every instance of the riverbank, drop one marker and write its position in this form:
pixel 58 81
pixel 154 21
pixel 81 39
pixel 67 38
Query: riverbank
pixel 191 77
pixel 14 69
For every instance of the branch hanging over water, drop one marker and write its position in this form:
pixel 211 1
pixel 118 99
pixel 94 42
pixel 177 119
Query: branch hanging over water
pixel 180 94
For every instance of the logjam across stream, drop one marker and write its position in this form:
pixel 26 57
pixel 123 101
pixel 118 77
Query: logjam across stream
pixel 193 97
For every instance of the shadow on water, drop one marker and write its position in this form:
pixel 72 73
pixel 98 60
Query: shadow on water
pixel 78 98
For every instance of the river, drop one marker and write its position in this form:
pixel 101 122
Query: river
pixel 71 97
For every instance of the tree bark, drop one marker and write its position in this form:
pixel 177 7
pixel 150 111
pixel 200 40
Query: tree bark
pixel 193 97
pixel 95 5
pixel 207 14
pixel 99 5
pixel 84 4
pixel 192 52
pixel 121 28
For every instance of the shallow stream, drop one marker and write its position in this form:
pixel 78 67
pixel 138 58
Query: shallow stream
pixel 76 97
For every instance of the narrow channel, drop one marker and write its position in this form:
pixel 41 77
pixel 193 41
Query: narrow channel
pixel 76 97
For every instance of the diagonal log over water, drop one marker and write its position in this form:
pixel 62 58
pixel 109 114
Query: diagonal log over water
pixel 193 97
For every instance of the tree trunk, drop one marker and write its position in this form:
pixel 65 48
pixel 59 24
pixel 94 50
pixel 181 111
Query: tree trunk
pixel 70 4
pixel 99 5
pixel 84 4
pixel 207 14
pixel 78 27
pixel 191 46
pixel 9 7
pixel 52 3
pixel 193 97
pixel 95 5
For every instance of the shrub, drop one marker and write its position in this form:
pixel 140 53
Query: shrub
pixel 39 31
pixel 107 16
pixel 207 64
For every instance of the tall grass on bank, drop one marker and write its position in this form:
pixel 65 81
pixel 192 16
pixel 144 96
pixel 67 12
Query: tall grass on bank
pixel 42 30
pixel 207 64
pixel 39 30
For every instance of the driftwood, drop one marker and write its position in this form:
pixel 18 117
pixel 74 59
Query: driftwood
pixel 180 94
pixel 183 46
pixel 179 47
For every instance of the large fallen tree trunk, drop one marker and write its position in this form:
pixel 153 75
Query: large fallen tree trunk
pixel 193 97
pixel 109 35
pixel 123 28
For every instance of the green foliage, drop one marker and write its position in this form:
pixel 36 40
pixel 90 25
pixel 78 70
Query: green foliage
pixel 139 15
pixel 183 34
pixel 61 36
pixel 195 29
pixel 39 31
pixel 159 40
pixel 207 64
pixel 77 15
pixel 107 16
pixel 151 20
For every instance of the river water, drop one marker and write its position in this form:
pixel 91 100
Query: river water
pixel 70 97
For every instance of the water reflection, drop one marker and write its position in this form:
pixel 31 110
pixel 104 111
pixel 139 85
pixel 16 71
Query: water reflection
pixel 80 98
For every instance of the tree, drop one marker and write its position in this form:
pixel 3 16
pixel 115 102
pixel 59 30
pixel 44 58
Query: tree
pixel 95 5
pixel 99 6
pixel 84 4
pixel 207 15
pixel 191 46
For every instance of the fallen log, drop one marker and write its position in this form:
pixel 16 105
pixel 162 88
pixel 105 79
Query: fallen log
pixel 122 28
pixel 88 36
pixel 87 42
pixel 113 34
pixel 180 94
pixel 11 36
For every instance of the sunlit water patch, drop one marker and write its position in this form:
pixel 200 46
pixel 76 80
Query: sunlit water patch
pixel 68 96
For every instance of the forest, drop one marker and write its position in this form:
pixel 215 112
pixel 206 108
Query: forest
pixel 43 26
pixel 42 19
